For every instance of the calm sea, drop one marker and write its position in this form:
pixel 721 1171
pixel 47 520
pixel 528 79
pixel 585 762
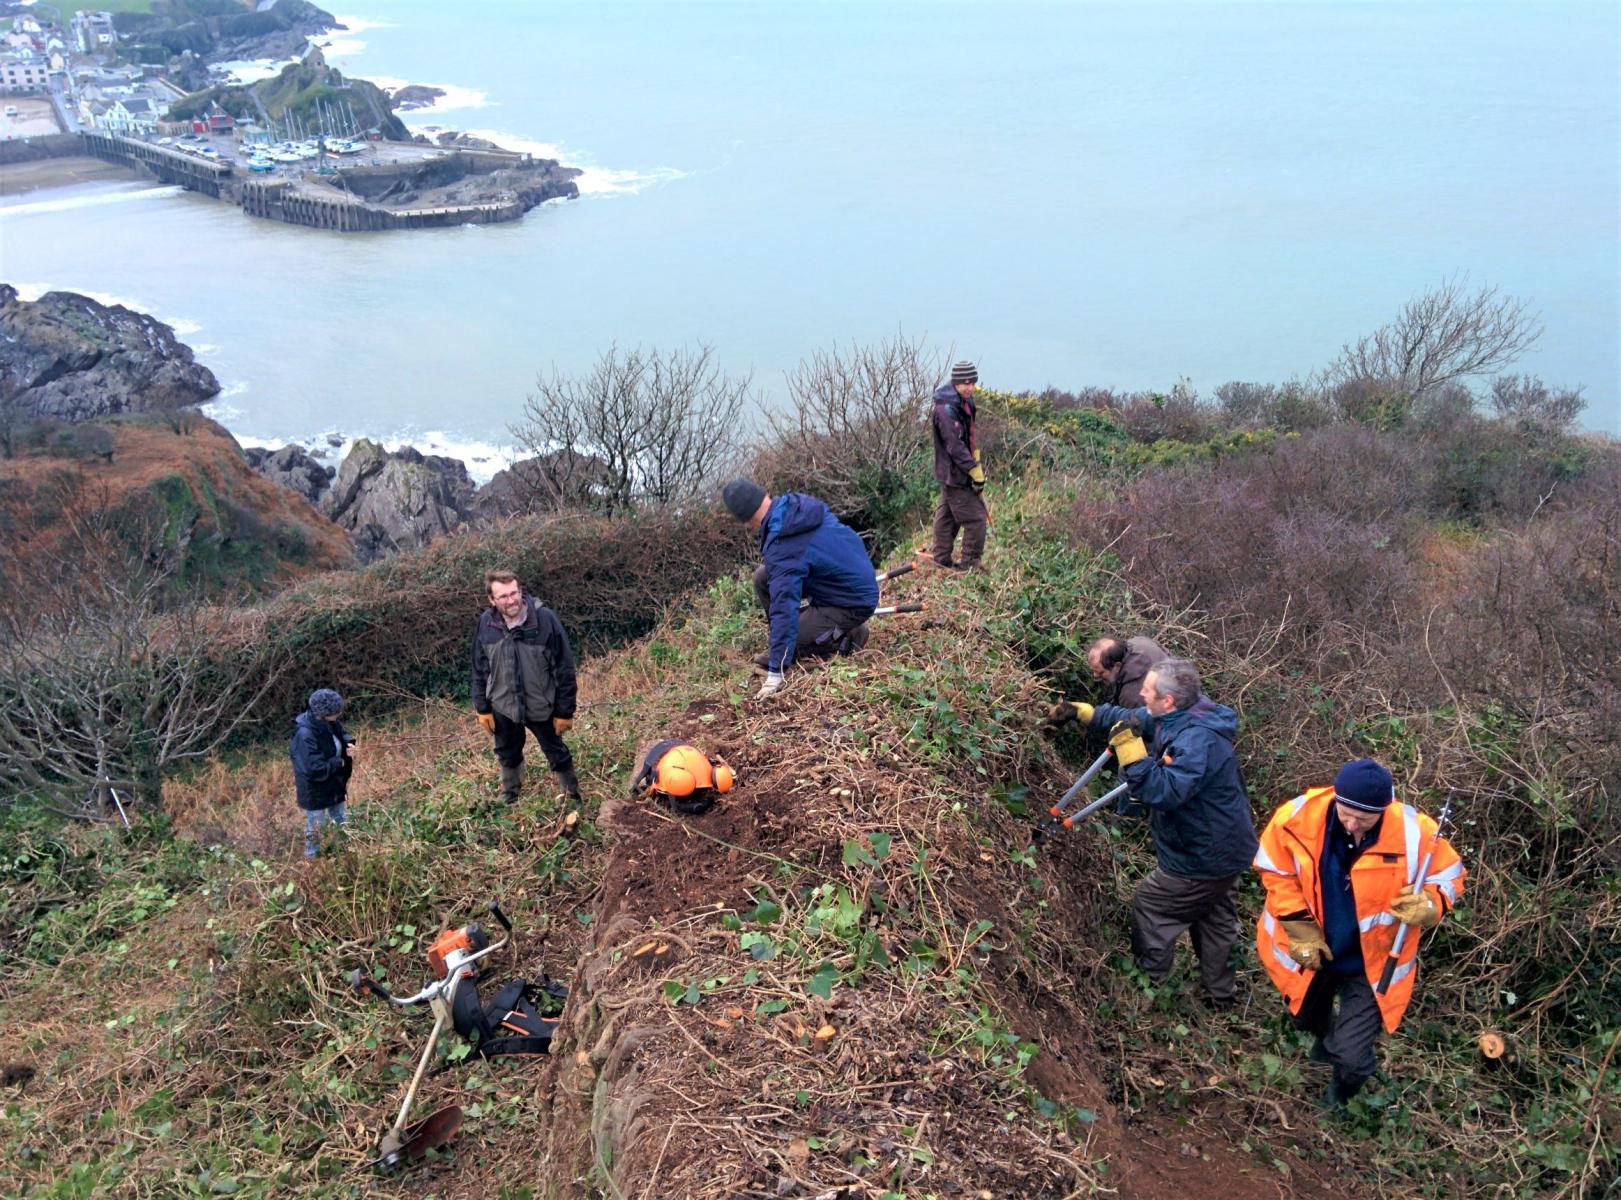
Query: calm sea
pixel 1113 194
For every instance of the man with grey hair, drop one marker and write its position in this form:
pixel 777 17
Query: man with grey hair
pixel 1176 752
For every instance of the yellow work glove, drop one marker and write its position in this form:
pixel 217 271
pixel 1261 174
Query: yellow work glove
pixel 1420 910
pixel 1068 710
pixel 487 720
pixel 1127 744
pixel 1306 944
pixel 977 478
pixel 562 724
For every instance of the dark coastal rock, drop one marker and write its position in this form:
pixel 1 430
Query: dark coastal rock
pixel 466 141
pixel 414 95
pixel 291 467
pixel 68 357
pixel 397 501
pixel 552 481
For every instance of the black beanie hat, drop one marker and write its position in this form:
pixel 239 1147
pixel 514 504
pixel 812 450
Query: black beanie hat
pixel 1364 785
pixel 742 498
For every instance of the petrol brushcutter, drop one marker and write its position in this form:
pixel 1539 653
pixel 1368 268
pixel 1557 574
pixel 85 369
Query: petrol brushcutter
pixel 1067 811
pixel 510 1025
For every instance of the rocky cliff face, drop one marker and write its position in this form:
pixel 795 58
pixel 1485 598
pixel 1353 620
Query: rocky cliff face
pixel 68 357
pixel 397 501
pixel 292 467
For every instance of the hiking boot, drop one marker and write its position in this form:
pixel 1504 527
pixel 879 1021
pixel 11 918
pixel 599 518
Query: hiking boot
pixel 511 784
pixel 1319 1055
pixel 1213 1002
pixel 571 786
pixel 763 661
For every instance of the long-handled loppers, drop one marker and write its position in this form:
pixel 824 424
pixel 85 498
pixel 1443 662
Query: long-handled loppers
pixel 1063 816
pixel 1389 972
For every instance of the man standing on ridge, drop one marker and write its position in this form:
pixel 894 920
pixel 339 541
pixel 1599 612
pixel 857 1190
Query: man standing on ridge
pixel 1339 865
pixel 958 471
pixel 1176 751
pixel 523 678
pixel 809 554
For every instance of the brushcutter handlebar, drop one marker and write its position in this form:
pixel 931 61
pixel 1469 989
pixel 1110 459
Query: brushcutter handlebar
pixel 500 917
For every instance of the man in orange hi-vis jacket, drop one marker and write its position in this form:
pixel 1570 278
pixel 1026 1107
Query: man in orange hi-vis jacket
pixel 1339 865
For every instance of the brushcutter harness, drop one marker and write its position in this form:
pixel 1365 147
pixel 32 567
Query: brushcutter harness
pixel 683 775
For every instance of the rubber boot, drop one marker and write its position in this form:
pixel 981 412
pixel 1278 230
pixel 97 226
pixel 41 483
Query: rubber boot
pixel 511 784
pixel 571 786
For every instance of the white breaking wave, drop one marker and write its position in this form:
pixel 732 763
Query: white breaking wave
pixel 338 47
pixel 596 180
pixel 250 70
pixel 361 24
pixel 66 203
pixel 483 459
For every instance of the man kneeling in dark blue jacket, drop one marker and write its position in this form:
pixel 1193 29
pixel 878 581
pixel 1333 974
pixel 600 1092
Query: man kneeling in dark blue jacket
pixel 811 555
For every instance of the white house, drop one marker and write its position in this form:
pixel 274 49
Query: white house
pixel 132 115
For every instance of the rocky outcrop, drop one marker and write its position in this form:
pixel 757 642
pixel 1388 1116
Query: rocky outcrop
pixel 531 485
pixel 397 501
pixel 68 357
pixel 414 95
pixel 292 467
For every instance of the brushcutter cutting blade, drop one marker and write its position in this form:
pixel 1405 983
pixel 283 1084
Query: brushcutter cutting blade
pixel 398 1149
pixel 432 1132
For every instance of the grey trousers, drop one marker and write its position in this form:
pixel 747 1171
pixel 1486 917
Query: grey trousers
pixel 1350 1036
pixel 1165 906
pixel 959 508
pixel 824 629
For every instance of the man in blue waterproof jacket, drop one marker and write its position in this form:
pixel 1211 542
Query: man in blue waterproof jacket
pixel 1176 751
pixel 809 555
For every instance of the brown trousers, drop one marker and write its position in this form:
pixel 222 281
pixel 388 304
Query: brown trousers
pixel 1166 906
pixel 960 508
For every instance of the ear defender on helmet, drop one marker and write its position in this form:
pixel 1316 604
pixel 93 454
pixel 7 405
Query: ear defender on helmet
pixel 676 780
pixel 724 776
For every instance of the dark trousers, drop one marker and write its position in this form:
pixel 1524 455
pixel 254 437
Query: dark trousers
pixel 824 629
pixel 1165 906
pixel 1349 1036
pixel 959 508
pixel 509 743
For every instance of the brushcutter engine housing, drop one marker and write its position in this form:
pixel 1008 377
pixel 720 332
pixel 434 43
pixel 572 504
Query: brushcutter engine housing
pixel 452 949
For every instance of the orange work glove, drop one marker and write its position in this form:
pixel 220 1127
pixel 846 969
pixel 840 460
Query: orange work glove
pixel 562 724
pixel 487 720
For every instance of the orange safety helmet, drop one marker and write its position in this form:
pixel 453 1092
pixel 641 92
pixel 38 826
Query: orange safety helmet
pixel 680 771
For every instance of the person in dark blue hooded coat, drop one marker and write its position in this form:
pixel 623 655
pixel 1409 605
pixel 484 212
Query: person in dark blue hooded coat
pixel 809 554
pixel 1177 753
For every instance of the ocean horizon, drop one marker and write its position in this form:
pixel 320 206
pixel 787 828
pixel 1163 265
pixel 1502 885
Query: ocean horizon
pixel 1073 195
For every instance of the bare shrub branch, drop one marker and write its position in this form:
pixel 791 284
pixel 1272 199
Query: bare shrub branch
pixel 856 429
pixel 643 429
pixel 1444 335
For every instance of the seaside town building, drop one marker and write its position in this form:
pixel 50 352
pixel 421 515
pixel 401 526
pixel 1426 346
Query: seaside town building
pixel 24 73
pixel 93 31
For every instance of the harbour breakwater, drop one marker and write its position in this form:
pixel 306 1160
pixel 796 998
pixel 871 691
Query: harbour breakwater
pixel 416 187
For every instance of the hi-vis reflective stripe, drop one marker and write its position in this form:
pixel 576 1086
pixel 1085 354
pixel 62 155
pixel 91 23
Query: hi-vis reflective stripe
pixel 1271 925
pixel 1373 922
pixel 1403 971
pixel 1447 881
pixel 1409 817
pixel 1263 860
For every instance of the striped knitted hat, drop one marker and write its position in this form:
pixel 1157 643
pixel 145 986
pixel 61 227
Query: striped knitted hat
pixel 964 372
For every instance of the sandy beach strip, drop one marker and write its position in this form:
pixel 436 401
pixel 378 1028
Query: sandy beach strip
pixel 17 178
